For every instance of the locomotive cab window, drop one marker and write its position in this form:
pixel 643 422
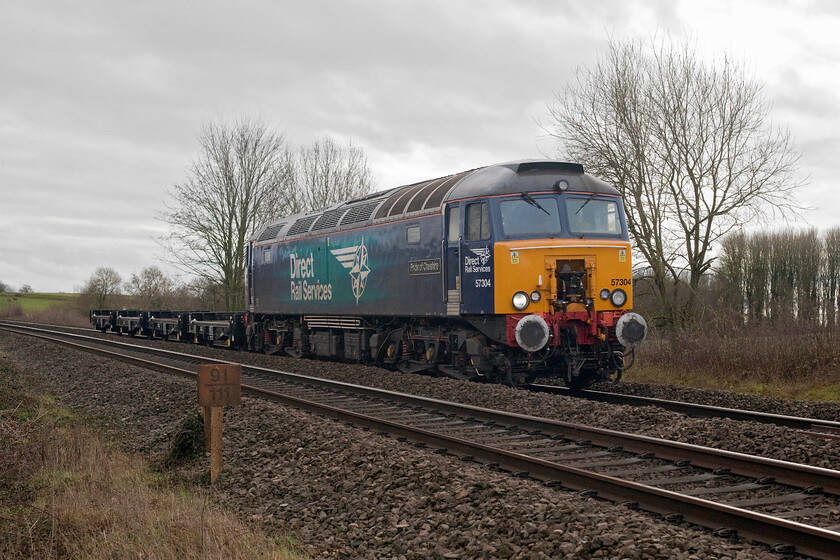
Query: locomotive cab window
pixel 592 215
pixel 530 217
pixel 478 222
pixel 267 256
pixel 454 224
pixel 412 235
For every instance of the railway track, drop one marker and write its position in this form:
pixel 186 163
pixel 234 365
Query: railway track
pixel 784 505
pixel 812 426
pixel 816 427
pixel 820 428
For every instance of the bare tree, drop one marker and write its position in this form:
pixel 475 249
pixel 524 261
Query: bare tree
pixel 732 275
pixel 102 285
pixel 5 287
pixel 152 286
pixel 326 173
pixel 242 179
pixel 25 289
pixel 207 295
pixel 831 277
pixel 689 144
pixel 780 278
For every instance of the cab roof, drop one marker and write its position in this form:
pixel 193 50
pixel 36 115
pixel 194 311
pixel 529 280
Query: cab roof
pixel 428 197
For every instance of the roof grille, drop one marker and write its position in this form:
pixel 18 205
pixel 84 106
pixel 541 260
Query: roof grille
pixel 302 225
pixel 359 213
pixel 271 231
pixel 556 166
pixel 328 220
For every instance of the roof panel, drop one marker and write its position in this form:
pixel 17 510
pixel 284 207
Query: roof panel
pixel 271 231
pixel 302 225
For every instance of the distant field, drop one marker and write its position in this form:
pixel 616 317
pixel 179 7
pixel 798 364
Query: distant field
pixel 36 302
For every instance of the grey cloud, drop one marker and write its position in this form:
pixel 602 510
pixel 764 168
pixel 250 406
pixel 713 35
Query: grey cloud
pixel 101 101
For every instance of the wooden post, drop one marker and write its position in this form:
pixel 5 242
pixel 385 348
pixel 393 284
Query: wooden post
pixel 216 415
pixel 218 385
pixel 205 415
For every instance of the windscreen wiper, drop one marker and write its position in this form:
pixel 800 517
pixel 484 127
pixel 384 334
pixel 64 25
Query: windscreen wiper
pixel 588 200
pixel 533 202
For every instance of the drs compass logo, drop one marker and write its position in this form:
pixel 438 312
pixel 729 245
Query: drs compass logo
pixel 356 260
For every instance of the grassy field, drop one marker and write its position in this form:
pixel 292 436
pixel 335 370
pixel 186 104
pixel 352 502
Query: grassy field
pixel 35 302
pixel 65 492
pixel 65 309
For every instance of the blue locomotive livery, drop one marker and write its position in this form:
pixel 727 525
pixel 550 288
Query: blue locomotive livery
pixel 507 273
pixel 355 272
pixel 497 273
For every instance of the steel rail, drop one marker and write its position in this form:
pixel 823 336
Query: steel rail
pixel 784 472
pixel 812 541
pixel 820 543
pixel 691 409
pixel 816 427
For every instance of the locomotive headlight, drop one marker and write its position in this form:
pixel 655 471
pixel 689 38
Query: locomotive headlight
pixel 605 294
pixel 618 297
pixel 536 296
pixel 520 300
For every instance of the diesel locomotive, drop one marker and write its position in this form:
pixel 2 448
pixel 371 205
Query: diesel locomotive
pixel 507 273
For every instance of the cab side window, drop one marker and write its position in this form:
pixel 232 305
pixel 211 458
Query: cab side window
pixel 478 222
pixel 454 224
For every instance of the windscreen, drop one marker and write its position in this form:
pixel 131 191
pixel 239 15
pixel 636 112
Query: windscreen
pixel 526 218
pixel 593 215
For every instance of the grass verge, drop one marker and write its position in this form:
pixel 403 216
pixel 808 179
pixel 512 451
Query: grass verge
pixel 814 389
pixel 65 492
pixel 793 365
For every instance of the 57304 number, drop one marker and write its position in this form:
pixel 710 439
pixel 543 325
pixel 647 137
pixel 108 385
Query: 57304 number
pixel 621 282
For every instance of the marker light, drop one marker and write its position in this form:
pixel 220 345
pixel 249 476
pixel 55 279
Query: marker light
pixel 536 296
pixel 520 300
pixel 605 294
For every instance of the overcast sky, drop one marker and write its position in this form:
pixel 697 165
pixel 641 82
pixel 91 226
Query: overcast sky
pixel 100 102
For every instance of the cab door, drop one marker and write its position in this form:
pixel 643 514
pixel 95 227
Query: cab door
pixel 476 259
pixel 452 258
pixel 249 274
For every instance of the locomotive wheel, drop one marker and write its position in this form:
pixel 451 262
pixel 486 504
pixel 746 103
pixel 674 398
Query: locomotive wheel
pixel 576 384
pixel 580 382
pixel 255 338
pixel 507 375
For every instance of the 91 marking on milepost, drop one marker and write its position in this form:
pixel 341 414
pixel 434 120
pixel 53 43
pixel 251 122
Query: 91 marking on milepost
pixel 220 385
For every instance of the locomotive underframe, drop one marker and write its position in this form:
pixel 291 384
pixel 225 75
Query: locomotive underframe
pixel 474 347
pixel 581 347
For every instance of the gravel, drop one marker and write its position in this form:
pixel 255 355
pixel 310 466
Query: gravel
pixel 754 438
pixel 344 492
